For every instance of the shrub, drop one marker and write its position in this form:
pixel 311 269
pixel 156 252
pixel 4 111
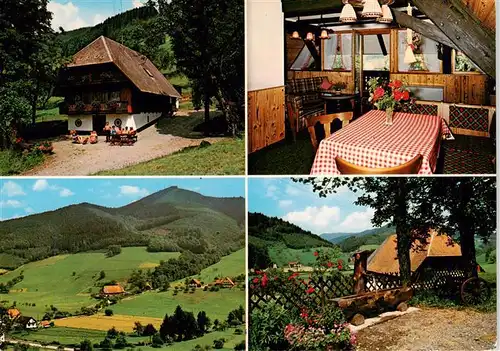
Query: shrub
pixel 219 343
pixel 240 346
pixel 238 331
pixel 108 312
pixel 157 341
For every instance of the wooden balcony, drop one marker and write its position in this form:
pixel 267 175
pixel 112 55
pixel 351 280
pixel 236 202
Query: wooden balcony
pixel 90 109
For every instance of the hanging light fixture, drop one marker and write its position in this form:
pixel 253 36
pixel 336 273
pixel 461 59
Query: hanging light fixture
pixel 348 15
pixel 324 33
pixel 295 35
pixel 386 15
pixel 409 55
pixel 371 9
pixel 309 36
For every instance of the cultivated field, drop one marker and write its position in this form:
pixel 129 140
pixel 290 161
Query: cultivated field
pixel 104 323
pixel 67 281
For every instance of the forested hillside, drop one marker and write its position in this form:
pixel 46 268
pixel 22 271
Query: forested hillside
pixel 170 220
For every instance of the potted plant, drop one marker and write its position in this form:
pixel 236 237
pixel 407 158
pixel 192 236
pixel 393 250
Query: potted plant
pixel 46 147
pixel 79 106
pixel 339 86
pixel 96 105
pixel 388 96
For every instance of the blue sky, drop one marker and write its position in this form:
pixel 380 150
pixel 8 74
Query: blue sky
pixel 296 203
pixel 22 197
pixel 73 14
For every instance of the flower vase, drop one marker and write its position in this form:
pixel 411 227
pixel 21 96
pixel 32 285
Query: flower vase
pixel 388 116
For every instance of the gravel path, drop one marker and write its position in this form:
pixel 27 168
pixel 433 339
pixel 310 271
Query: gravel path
pixel 432 329
pixel 80 160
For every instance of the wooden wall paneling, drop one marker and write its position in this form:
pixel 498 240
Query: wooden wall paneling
pixel 393 63
pixel 266 117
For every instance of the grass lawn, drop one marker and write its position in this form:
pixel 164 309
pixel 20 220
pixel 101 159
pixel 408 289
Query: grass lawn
pixel 72 336
pixel 217 304
pixel 51 281
pixel 225 157
pixel 229 266
pixel 50 115
pixel 12 162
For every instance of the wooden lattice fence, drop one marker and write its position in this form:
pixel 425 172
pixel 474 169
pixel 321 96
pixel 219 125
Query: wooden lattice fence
pixel 293 296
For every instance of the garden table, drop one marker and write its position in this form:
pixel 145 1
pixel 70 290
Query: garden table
pixel 368 142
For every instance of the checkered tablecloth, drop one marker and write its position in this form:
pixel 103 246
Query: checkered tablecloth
pixel 368 142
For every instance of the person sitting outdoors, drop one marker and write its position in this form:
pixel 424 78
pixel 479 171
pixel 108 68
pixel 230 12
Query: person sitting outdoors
pixel 82 139
pixel 107 131
pixel 93 137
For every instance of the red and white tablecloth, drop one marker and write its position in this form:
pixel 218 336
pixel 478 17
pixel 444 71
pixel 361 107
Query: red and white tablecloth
pixel 368 142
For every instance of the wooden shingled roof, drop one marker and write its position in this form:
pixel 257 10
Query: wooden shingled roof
pixel 135 66
pixel 384 259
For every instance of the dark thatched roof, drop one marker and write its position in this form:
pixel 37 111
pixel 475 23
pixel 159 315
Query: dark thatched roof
pixel 137 67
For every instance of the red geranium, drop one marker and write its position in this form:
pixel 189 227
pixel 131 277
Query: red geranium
pixel 406 95
pixel 329 264
pixel 310 290
pixel 264 280
pixel 378 93
pixel 255 280
pixel 316 253
pixel 304 314
pixel 293 276
pixel 398 95
pixel 339 267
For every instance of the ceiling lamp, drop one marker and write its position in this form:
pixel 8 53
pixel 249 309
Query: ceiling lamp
pixel 386 15
pixel 371 9
pixel 310 36
pixel 295 35
pixel 324 35
pixel 348 15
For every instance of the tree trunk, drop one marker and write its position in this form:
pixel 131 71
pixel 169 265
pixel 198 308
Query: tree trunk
pixel 467 242
pixel 402 232
pixel 207 111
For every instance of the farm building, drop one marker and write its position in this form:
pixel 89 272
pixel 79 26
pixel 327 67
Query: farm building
pixel 108 82
pixel 27 322
pixel 45 324
pixel 195 283
pixel 13 313
pixel 224 283
pixel 108 290
pixel 294 265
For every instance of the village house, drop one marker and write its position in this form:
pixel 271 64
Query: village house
pixel 224 283
pixel 195 283
pixel 112 290
pixel 26 322
pixel 295 265
pixel 106 82
pixel 13 313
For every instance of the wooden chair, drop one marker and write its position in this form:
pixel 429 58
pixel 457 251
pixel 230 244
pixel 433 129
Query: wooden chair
pixel 326 120
pixel 410 167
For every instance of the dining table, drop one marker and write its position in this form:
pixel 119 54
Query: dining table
pixel 369 142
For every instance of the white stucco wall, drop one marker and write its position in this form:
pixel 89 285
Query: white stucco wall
pixel 265 44
pixel 86 123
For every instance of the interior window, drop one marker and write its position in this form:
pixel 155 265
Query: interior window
pixel 376 52
pixel 425 51
pixel 304 61
pixel 463 64
pixel 337 54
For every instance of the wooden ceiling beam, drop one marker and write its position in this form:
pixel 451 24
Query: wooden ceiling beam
pixel 428 30
pixel 293 8
pixel 464 29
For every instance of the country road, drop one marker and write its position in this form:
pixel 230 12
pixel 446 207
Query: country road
pixel 34 344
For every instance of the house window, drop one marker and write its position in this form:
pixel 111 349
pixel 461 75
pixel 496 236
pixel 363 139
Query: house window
pixel 337 52
pixel 304 61
pixel 425 51
pixel 462 64
pixel 376 52
pixel 427 93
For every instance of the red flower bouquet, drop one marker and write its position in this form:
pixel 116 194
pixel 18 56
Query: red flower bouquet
pixel 388 96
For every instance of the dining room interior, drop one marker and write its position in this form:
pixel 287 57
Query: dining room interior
pixel 371 87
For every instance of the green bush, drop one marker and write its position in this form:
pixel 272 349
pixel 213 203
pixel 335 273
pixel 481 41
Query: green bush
pixel 219 343
pixel 267 326
pixel 108 312
pixel 240 346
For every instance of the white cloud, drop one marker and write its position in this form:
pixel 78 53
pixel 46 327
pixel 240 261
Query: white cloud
pixel 66 16
pixel 272 191
pixel 357 221
pixel 12 189
pixel 316 219
pixel 10 203
pixel 29 210
pixel 285 203
pixel 133 191
pixel 137 3
pixel 98 19
pixel 65 192
pixel 293 191
pixel 40 185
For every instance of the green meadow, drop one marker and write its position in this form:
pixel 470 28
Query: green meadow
pixel 66 281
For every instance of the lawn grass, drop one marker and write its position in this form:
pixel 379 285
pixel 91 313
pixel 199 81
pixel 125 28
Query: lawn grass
pixel 225 157
pixel 229 266
pixel 72 336
pixel 51 281
pixel 217 304
pixel 14 162
pixel 50 115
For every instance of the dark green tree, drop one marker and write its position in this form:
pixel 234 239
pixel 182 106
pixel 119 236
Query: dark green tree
pixel 86 345
pixel 203 322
